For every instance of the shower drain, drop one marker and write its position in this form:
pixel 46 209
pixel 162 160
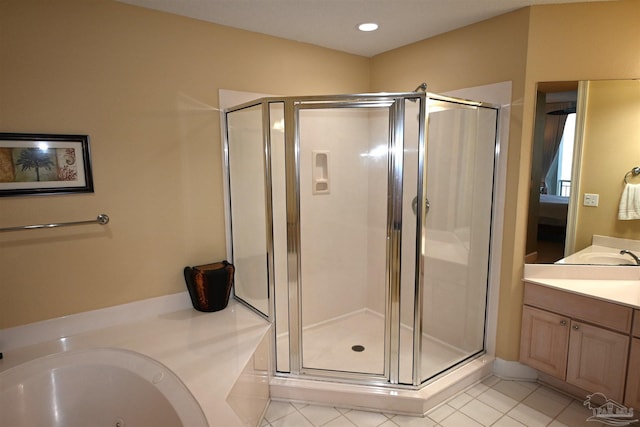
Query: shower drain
pixel 357 348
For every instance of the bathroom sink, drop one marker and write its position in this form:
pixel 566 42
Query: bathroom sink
pixel 607 258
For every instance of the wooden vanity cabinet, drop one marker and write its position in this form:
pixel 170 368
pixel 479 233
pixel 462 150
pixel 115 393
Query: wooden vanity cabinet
pixel 597 360
pixel 632 394
pixel 577 339
pixel 544 343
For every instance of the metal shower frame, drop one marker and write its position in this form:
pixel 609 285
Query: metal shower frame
pixel 396 103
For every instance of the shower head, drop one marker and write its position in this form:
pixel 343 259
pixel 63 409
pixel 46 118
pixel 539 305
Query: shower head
pixel 422 87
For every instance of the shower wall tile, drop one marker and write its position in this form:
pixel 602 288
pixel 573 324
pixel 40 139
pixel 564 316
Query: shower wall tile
pixel 334 228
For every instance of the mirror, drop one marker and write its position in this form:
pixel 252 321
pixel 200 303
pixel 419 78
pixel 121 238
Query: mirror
pixel 586 143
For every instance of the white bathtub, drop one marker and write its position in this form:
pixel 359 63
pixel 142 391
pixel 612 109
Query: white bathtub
pixel 101 387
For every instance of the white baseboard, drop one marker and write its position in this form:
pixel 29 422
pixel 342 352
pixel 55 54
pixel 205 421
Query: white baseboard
pixel 508 369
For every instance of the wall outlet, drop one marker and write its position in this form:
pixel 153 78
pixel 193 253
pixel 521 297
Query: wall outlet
pixel 591 199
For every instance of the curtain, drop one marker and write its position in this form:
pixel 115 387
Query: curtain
pixel 553 129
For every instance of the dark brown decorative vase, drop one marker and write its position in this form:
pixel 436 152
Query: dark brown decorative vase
pixel 209 285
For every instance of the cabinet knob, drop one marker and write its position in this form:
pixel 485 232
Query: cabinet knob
pixel 576 327
pixel 563 322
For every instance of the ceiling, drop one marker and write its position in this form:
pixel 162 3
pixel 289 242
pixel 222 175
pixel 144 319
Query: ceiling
pixel 332 23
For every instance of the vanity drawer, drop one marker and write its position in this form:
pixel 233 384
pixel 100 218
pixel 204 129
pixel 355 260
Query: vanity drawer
pixel 606 314
pixel 636 324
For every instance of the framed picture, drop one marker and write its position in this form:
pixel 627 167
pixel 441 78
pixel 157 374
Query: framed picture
pixel 32 163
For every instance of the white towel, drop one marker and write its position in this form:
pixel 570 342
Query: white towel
pixel 630 202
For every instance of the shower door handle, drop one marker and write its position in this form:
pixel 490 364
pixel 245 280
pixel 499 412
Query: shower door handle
pixel 414 206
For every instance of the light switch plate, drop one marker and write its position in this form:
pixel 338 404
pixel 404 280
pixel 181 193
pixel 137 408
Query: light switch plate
pixel 591 199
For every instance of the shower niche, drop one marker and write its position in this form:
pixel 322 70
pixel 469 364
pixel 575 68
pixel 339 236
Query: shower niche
pixel 360 226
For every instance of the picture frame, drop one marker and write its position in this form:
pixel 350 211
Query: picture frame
pixel 35 164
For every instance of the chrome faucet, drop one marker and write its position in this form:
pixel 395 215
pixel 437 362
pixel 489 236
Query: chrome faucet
pixel 628 252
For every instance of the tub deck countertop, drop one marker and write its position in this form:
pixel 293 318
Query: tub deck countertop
pixel 207 351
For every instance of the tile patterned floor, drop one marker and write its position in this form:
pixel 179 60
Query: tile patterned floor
pixel 492 402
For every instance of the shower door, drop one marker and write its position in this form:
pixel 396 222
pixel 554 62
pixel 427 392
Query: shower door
pixel 349 160
pixel 343 193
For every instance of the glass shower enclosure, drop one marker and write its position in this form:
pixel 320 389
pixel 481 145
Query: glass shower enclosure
pixel 360 227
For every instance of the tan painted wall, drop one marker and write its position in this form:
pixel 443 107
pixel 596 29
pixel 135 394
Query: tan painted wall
pixel 582 41
pixel 541 43
pixel 144 86
pixel 488 52
pixel 611 149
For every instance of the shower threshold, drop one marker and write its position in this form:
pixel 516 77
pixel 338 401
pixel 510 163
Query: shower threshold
pixel 354 343
pixel 382 399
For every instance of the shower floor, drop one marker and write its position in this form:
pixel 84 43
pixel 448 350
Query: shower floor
pixel 329 346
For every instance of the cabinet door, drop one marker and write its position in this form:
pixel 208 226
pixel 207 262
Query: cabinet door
pixel 632 396
pixel 597 360
pixel 544 341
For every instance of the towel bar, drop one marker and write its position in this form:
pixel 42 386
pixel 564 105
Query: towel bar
pixel 635 171
pixel 102 219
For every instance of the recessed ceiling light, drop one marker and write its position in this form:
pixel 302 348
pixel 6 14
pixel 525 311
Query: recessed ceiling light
pixel 368 26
